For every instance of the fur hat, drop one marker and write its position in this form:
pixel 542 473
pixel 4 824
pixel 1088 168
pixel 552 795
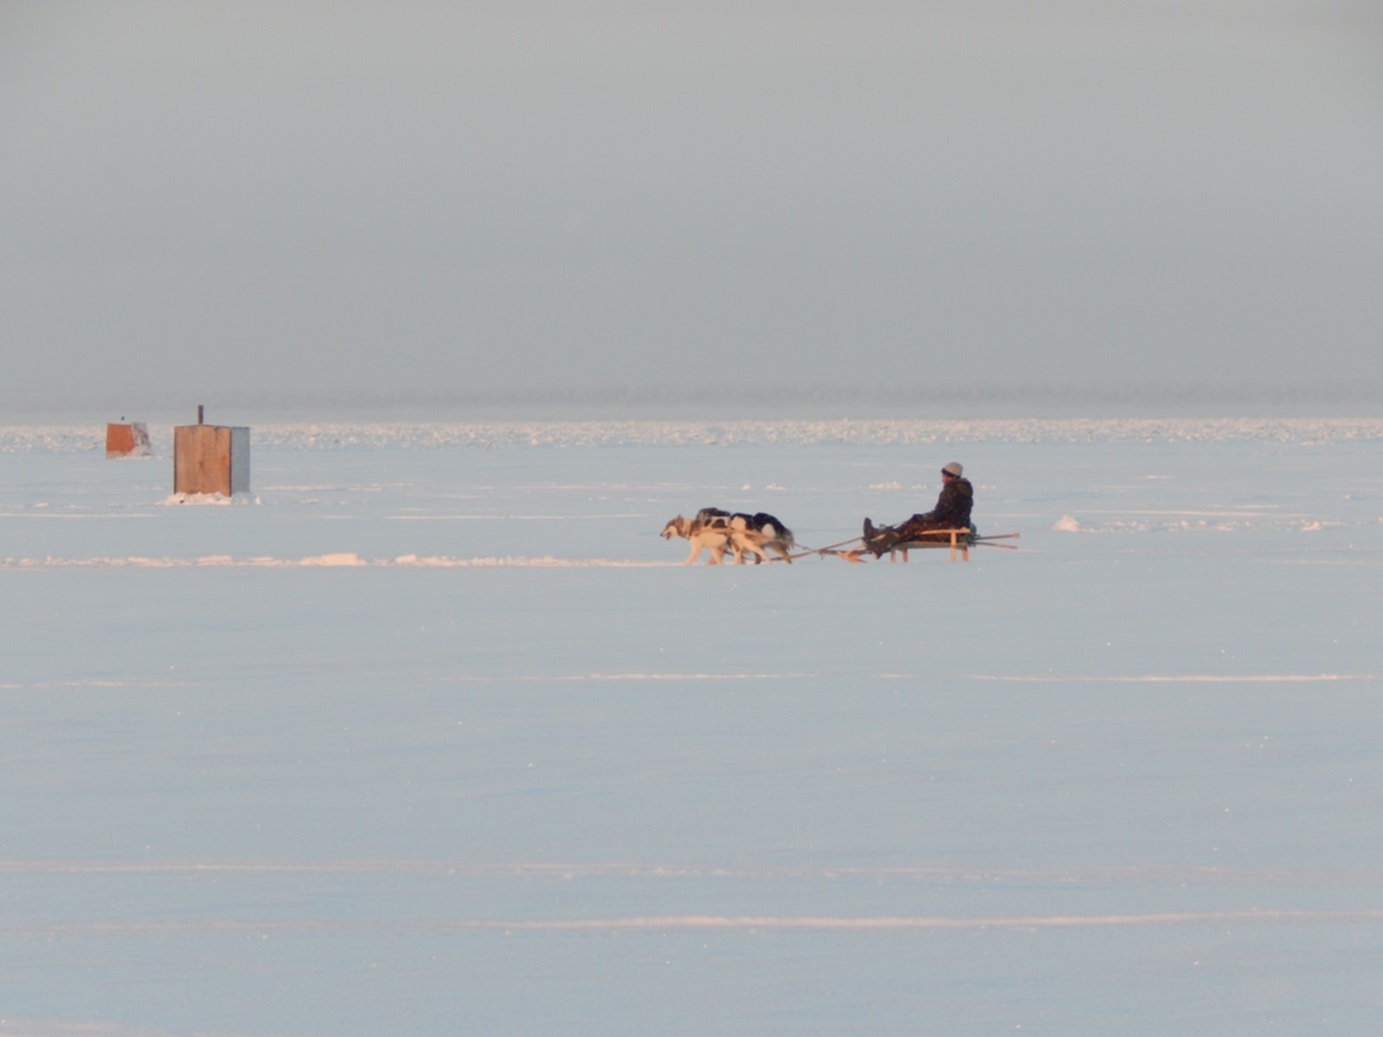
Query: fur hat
pixel 954 468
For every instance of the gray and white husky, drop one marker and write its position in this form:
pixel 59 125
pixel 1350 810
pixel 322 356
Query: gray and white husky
pixel 715 530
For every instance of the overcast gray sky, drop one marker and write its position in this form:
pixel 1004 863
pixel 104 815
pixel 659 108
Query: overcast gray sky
pixel 324 198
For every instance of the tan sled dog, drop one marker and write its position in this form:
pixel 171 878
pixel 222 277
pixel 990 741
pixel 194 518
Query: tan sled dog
pixel 712 536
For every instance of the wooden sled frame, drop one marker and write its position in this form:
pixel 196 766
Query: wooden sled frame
pixel 959 544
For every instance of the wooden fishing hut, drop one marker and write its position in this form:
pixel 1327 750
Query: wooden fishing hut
pixel 127 439
pixel 211 458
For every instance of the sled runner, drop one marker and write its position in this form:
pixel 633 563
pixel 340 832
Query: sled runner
pixel 957 541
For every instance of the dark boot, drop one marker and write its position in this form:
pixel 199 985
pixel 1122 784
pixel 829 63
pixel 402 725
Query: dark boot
pixel 877 540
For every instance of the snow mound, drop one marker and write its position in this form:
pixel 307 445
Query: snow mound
pixel 1067 524
pixel 347 558
pixel 212 499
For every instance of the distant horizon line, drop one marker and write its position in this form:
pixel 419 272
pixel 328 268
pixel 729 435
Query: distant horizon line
pixel 1364 397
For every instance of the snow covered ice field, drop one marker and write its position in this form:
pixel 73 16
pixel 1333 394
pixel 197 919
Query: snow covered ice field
pixel 434 735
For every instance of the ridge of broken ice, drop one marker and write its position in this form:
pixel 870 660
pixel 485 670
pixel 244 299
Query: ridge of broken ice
pixel 492 434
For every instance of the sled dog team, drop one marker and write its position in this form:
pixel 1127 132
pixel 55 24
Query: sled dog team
pixel 715 531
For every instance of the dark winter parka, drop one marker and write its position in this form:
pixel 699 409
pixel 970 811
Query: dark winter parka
pixel 952 509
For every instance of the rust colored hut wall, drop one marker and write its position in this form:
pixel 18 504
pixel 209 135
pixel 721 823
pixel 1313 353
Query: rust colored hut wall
pixel 127 439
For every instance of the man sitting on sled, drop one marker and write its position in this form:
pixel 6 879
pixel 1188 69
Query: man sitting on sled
pixel 952 511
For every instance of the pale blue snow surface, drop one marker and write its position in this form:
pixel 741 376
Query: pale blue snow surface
pixel 496 763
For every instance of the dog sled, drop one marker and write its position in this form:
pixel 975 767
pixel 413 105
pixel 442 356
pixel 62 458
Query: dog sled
pixel 957 541
pixel 753 537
